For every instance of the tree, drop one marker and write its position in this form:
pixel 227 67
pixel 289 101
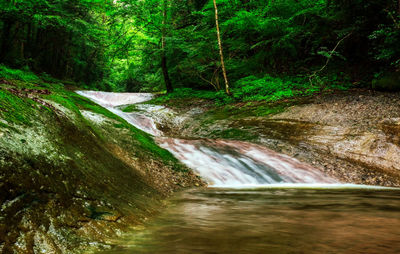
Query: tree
pixel 220 49
pixel 164 66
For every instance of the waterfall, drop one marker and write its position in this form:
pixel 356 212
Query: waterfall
pixel 226 163
pixel 221 163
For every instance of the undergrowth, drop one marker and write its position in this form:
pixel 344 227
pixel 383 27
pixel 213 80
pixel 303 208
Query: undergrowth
pixel 24 74
pixel 265 88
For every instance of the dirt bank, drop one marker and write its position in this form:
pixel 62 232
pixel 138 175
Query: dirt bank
pixel 353 135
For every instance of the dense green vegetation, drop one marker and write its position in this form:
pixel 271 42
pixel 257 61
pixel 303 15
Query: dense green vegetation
pixel 273 49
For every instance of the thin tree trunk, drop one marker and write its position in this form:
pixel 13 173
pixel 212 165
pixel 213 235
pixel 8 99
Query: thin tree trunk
pixel 6 38
pixel 28 40
pixel 164 66
pixel 220 49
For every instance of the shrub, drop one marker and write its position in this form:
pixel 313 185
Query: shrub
pixel 24 74
pixel 389 82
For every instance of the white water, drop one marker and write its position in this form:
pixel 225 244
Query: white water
pixel 111 101
pixel 221 163
pixel 226 163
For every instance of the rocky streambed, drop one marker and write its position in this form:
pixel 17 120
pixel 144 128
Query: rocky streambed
pixel 74 174
pixel 352 136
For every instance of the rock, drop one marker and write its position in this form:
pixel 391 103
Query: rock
pixel 111 217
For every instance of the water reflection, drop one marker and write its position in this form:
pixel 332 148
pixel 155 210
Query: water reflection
pixel 273 221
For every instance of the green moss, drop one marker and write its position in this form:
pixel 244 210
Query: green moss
pixel 184 93
pixel 24 75
pixel 130 108
pixel 119 126
pixel 235 134
pixel 148 144
pixel 64 101
pixel 21 110
pixel 265 110
pixel 260 89
pixel 15 109
pixel 249 109
pixel 85 177
pixel 76 102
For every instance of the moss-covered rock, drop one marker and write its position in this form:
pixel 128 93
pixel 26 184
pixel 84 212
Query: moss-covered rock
pixel 72 174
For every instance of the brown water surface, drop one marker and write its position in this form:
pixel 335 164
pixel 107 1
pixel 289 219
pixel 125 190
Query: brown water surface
pixel 274 220
pixel 331 218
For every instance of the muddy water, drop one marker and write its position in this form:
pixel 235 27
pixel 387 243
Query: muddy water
pixel 273 221
pixel 290 208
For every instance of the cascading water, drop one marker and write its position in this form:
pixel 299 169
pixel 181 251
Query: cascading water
pixel 111 101
pixel 240 217
pixel 221 163
pixel 233 163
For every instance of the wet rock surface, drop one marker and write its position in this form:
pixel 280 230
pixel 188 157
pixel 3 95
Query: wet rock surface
pixel 71 180
pixel 352 136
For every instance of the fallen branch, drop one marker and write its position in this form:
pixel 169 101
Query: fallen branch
pixel 328 58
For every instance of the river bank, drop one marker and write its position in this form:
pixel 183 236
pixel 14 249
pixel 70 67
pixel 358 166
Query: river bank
pixel 72 173
pixel 352 136
pixel 75 174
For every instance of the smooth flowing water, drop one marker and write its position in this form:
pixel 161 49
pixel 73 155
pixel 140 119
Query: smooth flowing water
pixel 260 202
pixel 220 162
pixel 273 221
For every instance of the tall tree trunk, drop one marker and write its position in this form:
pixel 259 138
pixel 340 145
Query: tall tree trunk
pixel 6 38
pixel 220 49
pixel 164 66
pixel 29 30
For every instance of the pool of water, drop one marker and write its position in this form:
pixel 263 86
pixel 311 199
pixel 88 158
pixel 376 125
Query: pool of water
pixel 274 203
pixel 272 220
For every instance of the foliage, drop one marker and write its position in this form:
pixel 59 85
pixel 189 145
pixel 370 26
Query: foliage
pixel 284 37
pixel 266 88
pixel 24 75
pixel 63 38
pixel 116 45
pixel 387 82
pixel 252 88
pixel 185 93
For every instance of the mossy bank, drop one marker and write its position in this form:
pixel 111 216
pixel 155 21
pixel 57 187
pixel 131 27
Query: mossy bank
pixel 72 174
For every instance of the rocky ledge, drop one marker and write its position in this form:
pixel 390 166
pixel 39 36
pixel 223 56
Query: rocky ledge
pixel 353 135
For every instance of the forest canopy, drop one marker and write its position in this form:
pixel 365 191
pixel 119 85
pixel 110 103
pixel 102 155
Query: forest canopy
pixel 268 45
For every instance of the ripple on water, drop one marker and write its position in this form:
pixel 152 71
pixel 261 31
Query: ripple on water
pixel 277 220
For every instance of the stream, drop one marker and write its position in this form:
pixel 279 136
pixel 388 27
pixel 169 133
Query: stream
pixel 258 201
